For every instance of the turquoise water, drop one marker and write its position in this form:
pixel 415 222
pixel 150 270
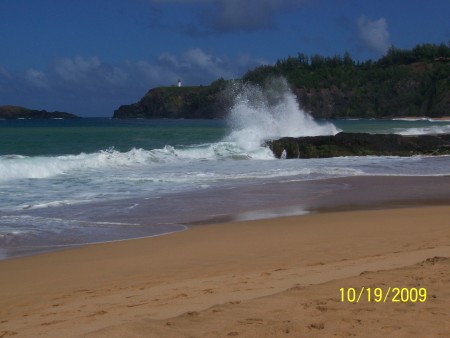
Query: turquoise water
pixel 72 182
pixel 89 135
pixel 65 183
pixel 404 127
pixel 60 137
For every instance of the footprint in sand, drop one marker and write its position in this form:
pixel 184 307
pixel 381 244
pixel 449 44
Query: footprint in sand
pixel 322 308
pixel 317 326
pixel 180 295
pixel 137 304
pixel 132 296
pixel 51 323
pixel 250 321
pixel 99 313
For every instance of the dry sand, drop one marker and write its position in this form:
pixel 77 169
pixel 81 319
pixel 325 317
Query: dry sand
pixel 267 278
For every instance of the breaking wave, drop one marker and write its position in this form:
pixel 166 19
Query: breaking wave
pixel 431 130
pixel 257 114
pixel 271 111
pixel 20 167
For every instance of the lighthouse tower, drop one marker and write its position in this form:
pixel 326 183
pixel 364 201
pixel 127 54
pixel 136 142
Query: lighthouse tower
pixel 179 83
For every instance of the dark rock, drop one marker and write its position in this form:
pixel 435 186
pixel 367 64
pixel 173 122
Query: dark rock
pixel 360 144
pixel 15 112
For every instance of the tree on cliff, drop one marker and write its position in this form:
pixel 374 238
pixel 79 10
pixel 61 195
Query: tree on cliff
pixel 404 82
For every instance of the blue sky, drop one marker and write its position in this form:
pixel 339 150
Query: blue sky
pixel 89 57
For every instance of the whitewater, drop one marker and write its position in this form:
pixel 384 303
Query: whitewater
pixel 75 182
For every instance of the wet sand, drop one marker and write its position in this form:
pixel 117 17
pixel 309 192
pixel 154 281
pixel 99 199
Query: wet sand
pixel 171 212
pixel 262 278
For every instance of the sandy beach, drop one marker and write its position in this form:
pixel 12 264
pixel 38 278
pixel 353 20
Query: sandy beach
pixel 217 169
pixel 262 278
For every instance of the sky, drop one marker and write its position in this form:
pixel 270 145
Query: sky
pixel 90 57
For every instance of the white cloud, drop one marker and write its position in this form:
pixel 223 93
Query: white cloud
pixel 4 73
pixel 374 34
pixel 194 66
pixel 168 59
pixel 91 86
pixel 89 71
pixel 144 74
pixel 215 66
pixel 36 78
pixel 76 69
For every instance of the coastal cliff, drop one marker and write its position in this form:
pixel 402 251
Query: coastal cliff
pixel 200 102
pixel 16 112
pixel 402 83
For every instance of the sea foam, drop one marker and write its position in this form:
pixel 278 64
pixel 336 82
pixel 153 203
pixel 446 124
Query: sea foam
pixel 431 130
pixel 39 167
pixel 258 113
pixel 271 111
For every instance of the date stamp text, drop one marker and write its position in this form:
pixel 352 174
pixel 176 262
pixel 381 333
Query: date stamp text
pixel 383 295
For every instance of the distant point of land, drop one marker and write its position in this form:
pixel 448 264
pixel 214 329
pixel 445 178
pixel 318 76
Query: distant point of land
pixel 16 112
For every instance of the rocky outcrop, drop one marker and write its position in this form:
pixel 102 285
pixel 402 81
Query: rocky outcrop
pixel 15 112
pixel 360 144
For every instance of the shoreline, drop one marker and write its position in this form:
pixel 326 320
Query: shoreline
pixel 423 118
pixel 271 200
pixel 271 269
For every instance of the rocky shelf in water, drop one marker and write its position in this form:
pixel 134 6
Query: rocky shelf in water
pixel 360 144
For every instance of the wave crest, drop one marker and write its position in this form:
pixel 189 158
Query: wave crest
pixel 38 167
pixel 431 130
pixel 271 111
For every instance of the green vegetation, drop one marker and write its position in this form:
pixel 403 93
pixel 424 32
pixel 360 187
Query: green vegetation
pixel 402 83
pixel 178 102
pixel 16 112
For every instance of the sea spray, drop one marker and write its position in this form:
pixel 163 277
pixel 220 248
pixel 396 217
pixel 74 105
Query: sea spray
pixel 429 130
pixel 259 113
pixel 16 167
pixel 114 174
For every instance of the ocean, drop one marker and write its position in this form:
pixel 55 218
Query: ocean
pixel 74 182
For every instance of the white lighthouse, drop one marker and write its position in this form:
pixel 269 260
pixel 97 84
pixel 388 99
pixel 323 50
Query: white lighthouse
pixel 179 83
